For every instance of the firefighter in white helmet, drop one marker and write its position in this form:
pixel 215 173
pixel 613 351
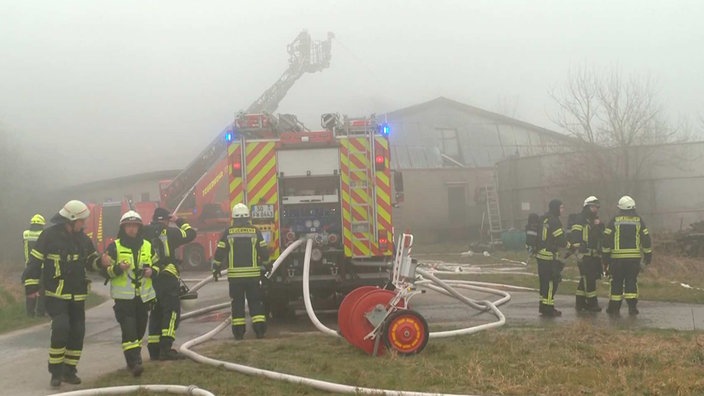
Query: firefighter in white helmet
pixel 128 263
pixel 585 236
pixel 59 261
pixel 244 250
pixel 34 305
pixel 626 243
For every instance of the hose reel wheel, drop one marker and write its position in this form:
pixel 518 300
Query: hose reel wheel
pixel 406 332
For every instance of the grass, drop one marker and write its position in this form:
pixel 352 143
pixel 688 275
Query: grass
pixel 577 358
pixel 659 282
pixel 12 303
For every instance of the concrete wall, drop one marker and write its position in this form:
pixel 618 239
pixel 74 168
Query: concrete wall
pixel 426 209
pixel 667 183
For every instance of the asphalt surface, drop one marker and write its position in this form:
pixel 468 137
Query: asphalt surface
pixel 23 363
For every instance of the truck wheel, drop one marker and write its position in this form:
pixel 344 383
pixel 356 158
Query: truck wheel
pixel 194 257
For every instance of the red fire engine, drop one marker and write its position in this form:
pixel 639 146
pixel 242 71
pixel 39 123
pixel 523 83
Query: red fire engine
pixel 334 186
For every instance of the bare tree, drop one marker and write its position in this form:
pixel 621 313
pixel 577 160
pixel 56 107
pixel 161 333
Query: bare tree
pixel 610 115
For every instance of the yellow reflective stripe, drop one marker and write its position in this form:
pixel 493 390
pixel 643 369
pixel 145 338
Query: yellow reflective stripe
pixel 577 227
pixel 80 297
pixel 57 351
pixel 258 318
pixel 557 232
pixel 170 268
pixel 73 353
pixel 59 296
pixel 60 287
pixel 647 250
pixel 126 346
pixel 171 330
pixel 221 244
pixel 630 296
pixel 616 297
pixel 56 360
pixel 36 254
pixel 590 294
pixel 238 321
pixel 153 338
pixel 31 282
pixel 580 293
pixel 71 362
pixel 56 257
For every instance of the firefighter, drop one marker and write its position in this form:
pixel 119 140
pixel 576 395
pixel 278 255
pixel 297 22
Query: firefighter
pixel 165 315
pixel 626 243
pixel 551 239
pixel 128 263
pixel 585 236
pixel 244 249
pixel 35 305
pixel 58 262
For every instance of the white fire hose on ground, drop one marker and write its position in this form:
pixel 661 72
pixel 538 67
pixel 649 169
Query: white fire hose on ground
pixel 432 282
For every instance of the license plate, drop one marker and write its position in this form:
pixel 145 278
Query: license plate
pixel 262 211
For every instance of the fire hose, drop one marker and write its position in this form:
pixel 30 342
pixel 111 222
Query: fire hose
pixel 447 288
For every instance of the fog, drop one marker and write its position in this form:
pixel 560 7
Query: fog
pixel 106 89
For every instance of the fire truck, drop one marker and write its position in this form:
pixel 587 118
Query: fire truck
pixel 199 193
pixel 334 186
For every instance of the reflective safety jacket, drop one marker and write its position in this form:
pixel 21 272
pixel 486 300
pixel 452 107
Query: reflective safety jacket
pixel 30 237
pixel 627 236
pixel 551 237
pixel 126 285
pixel 166 240
pixel 587 236
pixel 243 247
pixel 62 258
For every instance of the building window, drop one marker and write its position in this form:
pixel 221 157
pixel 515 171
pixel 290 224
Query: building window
pixel 145 197
pixel 450 144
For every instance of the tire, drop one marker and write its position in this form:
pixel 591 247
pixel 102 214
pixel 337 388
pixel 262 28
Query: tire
pixel 194 257
pixel 406 332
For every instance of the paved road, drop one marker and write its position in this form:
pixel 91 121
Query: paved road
pixel 23 364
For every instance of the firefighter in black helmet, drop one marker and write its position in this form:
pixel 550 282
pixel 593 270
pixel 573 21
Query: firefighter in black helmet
pixel 244 249
pixel 165 316
pixel 128 263
pixel 585 236
pixel 626 243
pixel 551 238
pixel 35 305
pixel 60 259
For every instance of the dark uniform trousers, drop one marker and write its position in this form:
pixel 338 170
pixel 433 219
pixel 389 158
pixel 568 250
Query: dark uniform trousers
pixel 68 326
pixel 132 315
pixel 589 270
pixel 550 275
pixel 249 288
pixel 624 282
pixel 165 315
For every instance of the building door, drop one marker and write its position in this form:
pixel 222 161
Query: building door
pixel 457 204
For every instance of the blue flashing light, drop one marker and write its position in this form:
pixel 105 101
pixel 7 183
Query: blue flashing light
pixel 229 136
pixel 385 129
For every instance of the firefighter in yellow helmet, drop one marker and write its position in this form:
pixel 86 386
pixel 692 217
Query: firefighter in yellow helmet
pixel 626 243
pixel 244 250
pixel 58 262
pixel 35 305
pixel 166 314
pixel 128 263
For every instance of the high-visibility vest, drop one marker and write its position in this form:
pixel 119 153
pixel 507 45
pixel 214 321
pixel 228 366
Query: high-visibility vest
pixel 125 286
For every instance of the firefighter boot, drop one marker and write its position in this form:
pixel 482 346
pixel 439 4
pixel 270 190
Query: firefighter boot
pixel 580 303
pixel 613 308
pixel 134 362
pixel 70 376
pixel 593 305
pixel 259 329
pixel 238 332
pixel 632 303
pixel 153 349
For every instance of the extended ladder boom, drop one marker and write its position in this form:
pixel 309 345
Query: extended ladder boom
pixel 305 56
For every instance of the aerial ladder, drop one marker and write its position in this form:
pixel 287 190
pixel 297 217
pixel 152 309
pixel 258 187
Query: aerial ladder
pixel 305 56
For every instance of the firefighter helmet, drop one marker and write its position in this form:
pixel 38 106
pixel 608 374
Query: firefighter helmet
pixel 240 211
pixel 74 210
pixel 131 217
pixel 626 203
pixel 37 219
pixel 592 200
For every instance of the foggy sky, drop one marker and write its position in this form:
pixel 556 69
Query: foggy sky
pixel 114 88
